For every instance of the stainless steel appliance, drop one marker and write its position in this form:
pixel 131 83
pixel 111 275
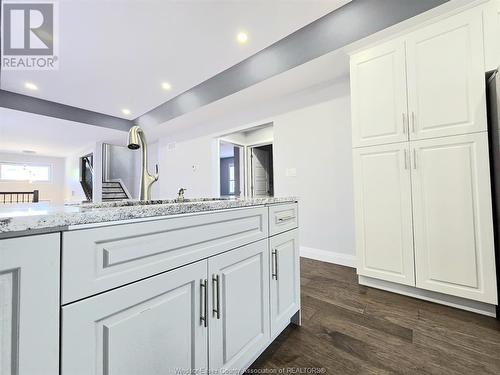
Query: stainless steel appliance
pixel 493 95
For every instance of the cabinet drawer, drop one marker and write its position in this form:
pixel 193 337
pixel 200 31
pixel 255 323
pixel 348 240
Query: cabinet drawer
pixel 99 259
pixel 282 218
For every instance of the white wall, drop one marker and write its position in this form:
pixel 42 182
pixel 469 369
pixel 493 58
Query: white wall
pixel 52 191
pixel 316 141
pixel 261 134
pixel 190 165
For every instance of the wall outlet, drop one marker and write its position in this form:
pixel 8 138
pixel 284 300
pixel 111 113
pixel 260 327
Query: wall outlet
pixel 291 172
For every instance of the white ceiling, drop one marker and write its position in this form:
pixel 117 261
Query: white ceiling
pixel 49 136
pixel 116 54
pixel 55 137
pixel 284 92
pixel 317 80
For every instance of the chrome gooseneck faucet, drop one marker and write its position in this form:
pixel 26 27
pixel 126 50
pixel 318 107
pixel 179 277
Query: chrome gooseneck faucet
pixel 136 140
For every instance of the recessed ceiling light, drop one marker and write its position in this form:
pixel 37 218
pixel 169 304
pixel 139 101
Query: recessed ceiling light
pixel 31 86
pixel 242 37
pixel 166 86
pixel 126 111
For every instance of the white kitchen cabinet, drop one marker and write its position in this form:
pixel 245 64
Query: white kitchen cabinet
pixel 454 249
pixel 155 326
pixel 491 17
pixel 239 306
pixel 29 305
pixel 446 83
pixel 378 95
pixel 383 212
pixel 98 259
pixel 285 279
pixel 429 83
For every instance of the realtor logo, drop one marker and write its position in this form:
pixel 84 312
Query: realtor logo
pixel 29 35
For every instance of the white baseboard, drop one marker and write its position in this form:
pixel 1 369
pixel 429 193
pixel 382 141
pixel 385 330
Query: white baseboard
pixel 328 256
pixel 443 299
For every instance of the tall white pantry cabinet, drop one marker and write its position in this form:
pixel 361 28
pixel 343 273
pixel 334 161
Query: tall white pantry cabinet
pixel 421 164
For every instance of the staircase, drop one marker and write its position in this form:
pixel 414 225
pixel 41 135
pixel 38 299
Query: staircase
pixel 114 191
pixel 87 175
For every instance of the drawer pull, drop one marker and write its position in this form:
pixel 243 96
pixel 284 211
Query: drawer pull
pixel 285 218
pixel 203 302
pixel 216 295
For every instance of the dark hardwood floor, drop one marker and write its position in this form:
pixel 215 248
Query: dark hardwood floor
pixel 352 329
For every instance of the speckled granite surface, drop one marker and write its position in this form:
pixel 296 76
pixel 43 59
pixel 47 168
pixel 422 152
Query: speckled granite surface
pixel 25 219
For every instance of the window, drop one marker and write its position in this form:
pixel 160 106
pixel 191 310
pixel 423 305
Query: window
pixel 231 179
pixel 24 172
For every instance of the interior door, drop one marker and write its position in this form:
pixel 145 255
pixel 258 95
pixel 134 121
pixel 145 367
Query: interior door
pixel 285 279
pixel 383 213
pixel 152 327
pixel 446 83
pixel 239 306
pixel 260 172
pixel 454 249
pixel 378 95
pixel 29 305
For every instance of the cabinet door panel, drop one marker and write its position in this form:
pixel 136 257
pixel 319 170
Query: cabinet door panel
pixel 29 305
pixel 491 16
pixel 384 243
pixel 378 95
pixel 285 279
pixel 454 250
pixel 241 331
pixel 150 327
pixel 446 84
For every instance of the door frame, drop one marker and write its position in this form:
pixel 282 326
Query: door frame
pixel 248 164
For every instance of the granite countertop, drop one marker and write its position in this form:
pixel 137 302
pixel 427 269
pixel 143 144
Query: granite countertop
pixel 35 218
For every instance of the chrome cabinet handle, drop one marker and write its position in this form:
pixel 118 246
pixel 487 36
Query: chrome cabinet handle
pixel 275 264
pixel 203 302
pixel 414 159
pixel 406 159
pixel 285 218
pixel 404 123
pixel 216 295
pixel 413 122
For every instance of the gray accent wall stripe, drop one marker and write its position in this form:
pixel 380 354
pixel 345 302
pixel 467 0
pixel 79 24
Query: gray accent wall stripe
pixel 43 107
pixel 353 21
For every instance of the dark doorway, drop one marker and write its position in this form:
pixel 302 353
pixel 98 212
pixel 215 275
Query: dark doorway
pixel 261 169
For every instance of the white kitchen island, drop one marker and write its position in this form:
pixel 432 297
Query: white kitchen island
pixel 146 289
